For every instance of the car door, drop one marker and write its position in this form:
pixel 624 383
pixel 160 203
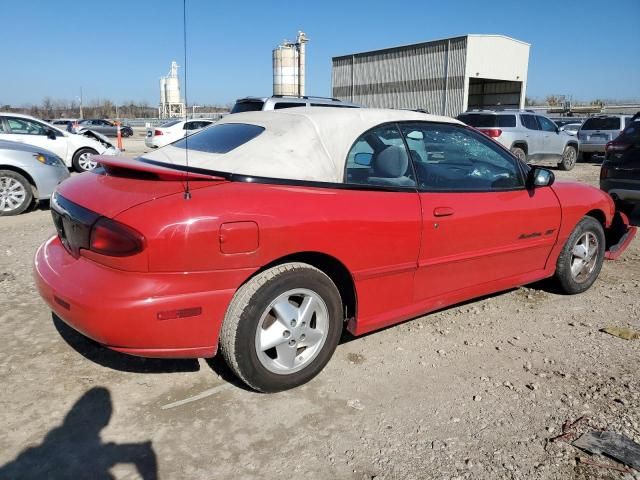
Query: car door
pixel 32 132
pixel 480 224
pixel 533 136
pixel 553 141
pixel 380 186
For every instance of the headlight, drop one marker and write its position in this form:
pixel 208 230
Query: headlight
pixel 47 159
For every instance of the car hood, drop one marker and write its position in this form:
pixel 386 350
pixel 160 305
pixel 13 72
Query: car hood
pixel 22 147
pixel 89 138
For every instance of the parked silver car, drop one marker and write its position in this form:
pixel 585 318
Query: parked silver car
pixel 27 174
pixel 529 136
pixel 597 131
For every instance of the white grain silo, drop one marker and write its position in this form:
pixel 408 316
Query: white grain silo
pixel 288 67
pixel 162 90
pixel 171 104
pixel 172 85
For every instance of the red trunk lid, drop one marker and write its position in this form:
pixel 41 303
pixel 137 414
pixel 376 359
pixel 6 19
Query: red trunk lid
pixel 124 183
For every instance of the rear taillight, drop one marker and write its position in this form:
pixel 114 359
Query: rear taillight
pixel 114 239
pixel 491 132
pixel 157 133
pixel 604 172
pixel 607 146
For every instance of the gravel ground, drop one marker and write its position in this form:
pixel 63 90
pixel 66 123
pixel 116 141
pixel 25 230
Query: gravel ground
pixel 474 391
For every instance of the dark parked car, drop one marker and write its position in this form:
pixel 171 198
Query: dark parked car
pixel 620 172
pixel 105 127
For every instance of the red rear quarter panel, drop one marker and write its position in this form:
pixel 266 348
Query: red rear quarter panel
pixel 374 234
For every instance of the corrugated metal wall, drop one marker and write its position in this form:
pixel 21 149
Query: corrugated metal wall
pixel 427 75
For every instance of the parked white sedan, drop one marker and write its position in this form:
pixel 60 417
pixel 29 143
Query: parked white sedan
pixel 174 130
pixel 76 150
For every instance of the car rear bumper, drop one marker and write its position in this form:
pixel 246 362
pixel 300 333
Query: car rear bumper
pixel 619 236
pixel 121 309
pixel 592 147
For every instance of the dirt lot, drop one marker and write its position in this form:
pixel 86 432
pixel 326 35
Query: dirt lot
pixel 474 391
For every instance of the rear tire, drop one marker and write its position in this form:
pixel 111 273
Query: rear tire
pixel 581 258
pixel 16 194
pixel 82 161
pixel 282 327
pixel 519 153
pixel 569 158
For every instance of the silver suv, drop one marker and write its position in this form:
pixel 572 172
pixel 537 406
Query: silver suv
pixel 277 102
pixel 529 136
pixel 595 132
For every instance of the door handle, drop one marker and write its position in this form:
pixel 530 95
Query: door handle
pixel 443 211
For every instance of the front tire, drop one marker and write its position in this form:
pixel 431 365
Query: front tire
pixel 282 327
pixel 519 153
pixel 569 158
pixel 581 258
pixel 15 193
pixel 82 160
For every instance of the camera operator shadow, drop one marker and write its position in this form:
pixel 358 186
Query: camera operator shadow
pixel 75 449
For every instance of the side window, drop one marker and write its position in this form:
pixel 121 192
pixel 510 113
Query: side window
pixel 379 158
pixel 189 126
pixel 2 129
pixel 281 105
pixel 23 126
pixel 529 122
pixel 454 158
pixel 546 124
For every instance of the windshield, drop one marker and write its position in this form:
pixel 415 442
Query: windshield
pixel 602 123
pixel 248 106
pixel 220 138
pixel 487 120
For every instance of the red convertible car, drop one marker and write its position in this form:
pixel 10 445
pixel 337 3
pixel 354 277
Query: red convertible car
pixel 266 234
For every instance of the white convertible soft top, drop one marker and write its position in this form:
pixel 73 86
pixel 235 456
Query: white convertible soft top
pixel 303 143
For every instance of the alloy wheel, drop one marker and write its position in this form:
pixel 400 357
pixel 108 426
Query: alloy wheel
pixel 584 257
pixel 86 161
pixel 12 194
pixel 292 331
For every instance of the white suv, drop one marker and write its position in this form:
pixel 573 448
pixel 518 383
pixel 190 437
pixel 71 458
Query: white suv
pixel 75 149
pixel 529 136
pixel 277 102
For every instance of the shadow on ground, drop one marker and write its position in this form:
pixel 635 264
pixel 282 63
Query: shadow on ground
pixel 120 361
pixel 74 450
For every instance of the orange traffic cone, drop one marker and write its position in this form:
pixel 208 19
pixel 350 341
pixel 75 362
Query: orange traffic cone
pixel 119 138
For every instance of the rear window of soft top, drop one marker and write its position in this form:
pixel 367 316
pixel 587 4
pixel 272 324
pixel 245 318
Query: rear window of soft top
pixel 488 120
pixel 220 138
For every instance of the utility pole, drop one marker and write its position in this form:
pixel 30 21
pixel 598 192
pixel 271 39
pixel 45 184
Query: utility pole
pixel 81 115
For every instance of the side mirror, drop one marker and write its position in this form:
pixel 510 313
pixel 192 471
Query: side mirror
pixel 363 158
pixel 51 134
pixel 540 177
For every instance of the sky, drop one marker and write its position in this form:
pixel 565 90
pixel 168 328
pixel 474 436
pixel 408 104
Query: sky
pixel 118 50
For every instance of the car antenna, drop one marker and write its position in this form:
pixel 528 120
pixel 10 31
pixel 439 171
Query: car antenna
pixel 187 191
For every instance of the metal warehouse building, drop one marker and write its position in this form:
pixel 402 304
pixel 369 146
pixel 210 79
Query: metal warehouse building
pixel 445 77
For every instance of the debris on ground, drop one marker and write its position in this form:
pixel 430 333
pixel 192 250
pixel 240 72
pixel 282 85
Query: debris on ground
pixel 622 332
pixel 612 445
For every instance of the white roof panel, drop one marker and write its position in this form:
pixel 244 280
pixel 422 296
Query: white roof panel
pixel 303 143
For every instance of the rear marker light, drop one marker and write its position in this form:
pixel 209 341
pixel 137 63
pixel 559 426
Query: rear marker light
pixel 492 132
pixel 114 239
pixel 182 313
pixel 62 303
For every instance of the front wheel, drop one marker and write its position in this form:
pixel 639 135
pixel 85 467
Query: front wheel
pixel 282 327
pixel 519 153
pixel 569 157
pixel 581 258
pixel 15 193
pixel 83 160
